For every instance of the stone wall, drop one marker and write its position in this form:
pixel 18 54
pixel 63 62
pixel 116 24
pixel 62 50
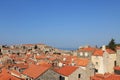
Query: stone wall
pixel 85 73
pixel 49 75
pixel 89 54
pixel 98 63
pixel 118 57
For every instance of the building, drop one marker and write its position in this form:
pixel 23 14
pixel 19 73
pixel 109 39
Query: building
pixel 69 73
pixel 118 55
pixel 85 52
pixel 40 72
pixel 102 58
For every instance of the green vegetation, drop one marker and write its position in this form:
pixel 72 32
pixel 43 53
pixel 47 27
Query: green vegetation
pixel 35 47
pixel 112 44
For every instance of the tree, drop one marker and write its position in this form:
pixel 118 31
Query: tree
pixel 0 53
pixel 112 44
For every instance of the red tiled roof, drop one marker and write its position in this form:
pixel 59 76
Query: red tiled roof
pixel 4 75
pixel 88 49
pixel 66 70
pixel 27 44
pixel 117 68
pixel 112 77
pixel 52 59
pixel 110 51
pixel 13 56
pixel 82 62
pixel 21 65
pixel 107 76
pixel 42 62
pixel 40 57
pixel 35 70
pixel 1 65
pixel 98 53
pixel 97 77
pixel 19 59
pixel 118 48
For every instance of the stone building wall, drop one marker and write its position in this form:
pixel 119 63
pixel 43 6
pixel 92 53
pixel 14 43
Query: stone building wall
pixel 85 73
pixel 49 75
pixel 118 57
pixel 83 54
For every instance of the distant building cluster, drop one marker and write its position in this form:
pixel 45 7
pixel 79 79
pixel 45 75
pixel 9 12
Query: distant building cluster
pixel 42 62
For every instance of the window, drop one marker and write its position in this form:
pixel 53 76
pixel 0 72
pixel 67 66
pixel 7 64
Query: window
pixel 26 78
pixel 61 78
pixel 96 63
pixel 115 63
pixel 86 54
pixel 15 68
pixel 79 75
pixel 81 53
pixel 96 70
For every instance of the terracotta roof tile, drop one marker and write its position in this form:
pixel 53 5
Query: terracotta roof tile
pixel 82 62
pixel 66 70
pixel 21 65
pixel 107 76
pixel 88 49
pixel 118 48
pixel 117 68
pixel 5 75
pixel 40 57
pixel 1 65
pixel 98 52
pixel 110 51
pixel 35 70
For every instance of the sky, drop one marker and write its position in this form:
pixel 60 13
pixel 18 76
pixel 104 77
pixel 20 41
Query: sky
pixel 60 23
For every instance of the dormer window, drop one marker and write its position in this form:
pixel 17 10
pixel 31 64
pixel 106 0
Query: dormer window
pixel 86 54
pixel 81 53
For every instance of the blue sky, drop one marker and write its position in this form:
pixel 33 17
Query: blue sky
pixel 59 23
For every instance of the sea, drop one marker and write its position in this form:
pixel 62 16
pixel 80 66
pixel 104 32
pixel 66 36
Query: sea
pixel 68 48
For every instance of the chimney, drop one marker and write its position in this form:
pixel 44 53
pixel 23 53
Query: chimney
pixel 64 59
pixel 60 64
pixel 103 47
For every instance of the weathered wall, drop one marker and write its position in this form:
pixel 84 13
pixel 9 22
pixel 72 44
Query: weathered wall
pixel 49 75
